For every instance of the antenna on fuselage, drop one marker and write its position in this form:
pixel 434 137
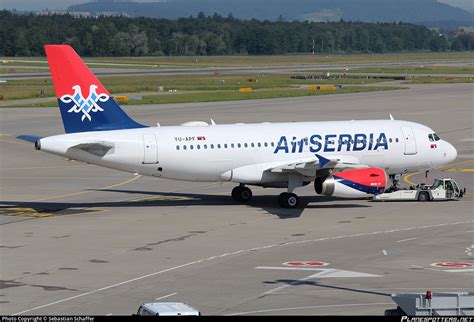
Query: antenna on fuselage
pixel 391 117
pixel 212 122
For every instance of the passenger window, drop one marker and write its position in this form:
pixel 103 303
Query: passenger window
pixel 245 145
pixel 191 147
pixel 198 147
pixel 212 146
pixel 184 147
pixel 390 140
pixel 396 140
pixel 232 145
pixel 273 144
pixel 177 147
pixel 225 146
pixel 205 146
pixel 239 145
pixel 252 145
pixel 218 146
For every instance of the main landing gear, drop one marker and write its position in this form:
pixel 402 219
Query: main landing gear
pixel 285 200
pixel 241 193
pixel 288 200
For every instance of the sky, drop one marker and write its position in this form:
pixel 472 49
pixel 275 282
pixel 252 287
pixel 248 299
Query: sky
pixel 25 5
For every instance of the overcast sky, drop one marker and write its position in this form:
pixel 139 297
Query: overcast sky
pixel 63 4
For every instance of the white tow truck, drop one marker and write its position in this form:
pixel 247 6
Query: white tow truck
pixel 441 189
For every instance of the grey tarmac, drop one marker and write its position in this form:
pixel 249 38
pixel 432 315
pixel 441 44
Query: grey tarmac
pixel 79 239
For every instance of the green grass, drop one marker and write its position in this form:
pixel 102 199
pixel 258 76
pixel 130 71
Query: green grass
pixel 439 80
pixel 209 61
pixel 30 88
pixel 226 95
pixel 12 70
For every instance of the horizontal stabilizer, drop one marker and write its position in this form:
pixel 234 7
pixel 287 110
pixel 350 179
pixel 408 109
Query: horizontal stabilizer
pixel 96 148
pixel 29 138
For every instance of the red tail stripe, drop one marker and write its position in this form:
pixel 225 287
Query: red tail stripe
pixel 68 70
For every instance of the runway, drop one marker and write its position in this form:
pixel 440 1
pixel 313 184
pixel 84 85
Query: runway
pixel 302 68
pixel 79 239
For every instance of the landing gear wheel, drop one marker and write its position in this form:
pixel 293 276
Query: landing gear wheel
pixel 281 199
pixel 423 196
pixel 242 194
pixel 288 200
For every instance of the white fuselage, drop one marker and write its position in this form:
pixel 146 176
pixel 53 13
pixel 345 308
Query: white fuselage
pixel 207 153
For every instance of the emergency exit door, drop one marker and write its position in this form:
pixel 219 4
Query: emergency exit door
pixel 150 148
pixel 409 139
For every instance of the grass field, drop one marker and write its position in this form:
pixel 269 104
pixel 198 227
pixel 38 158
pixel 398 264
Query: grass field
pixel 439 80
pixel 6 70
pixel 24 89
pixel 208 61
pixel 228 95
pixel 415 70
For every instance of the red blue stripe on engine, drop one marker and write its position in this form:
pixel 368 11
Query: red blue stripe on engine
pixel 370 181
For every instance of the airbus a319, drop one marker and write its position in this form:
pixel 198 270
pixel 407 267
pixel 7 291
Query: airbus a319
pixel 351 159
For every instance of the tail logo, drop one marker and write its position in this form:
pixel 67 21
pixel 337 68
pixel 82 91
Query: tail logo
pixel 85 105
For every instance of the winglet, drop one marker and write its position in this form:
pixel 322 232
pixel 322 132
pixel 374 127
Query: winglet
pixel 391 117
pixel 322 160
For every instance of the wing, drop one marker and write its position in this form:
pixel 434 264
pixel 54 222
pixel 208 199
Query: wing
pixel 310 168
pixel 320 164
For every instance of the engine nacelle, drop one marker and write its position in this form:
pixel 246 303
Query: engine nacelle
pixel 358 183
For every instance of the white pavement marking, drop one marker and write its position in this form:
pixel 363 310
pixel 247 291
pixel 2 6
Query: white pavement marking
pixel 108 287
pixel 385 252
pixel 458 270
pixel 291 268
pixel 427 268
pixel 462 270
pixel 108 314
pixel 323 272
pixel 244 251
pixel 310 307
pixel 279 288
pixel 404 240
pixel 163 297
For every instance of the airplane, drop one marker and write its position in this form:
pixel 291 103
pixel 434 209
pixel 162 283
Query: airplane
pixel 349 159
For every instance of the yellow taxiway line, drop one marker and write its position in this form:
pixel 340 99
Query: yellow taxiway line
pixel 407 176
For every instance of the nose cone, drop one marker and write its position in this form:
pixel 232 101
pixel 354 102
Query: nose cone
pixel 450 153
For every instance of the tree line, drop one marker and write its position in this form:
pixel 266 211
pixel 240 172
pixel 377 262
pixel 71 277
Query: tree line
pixel 25 35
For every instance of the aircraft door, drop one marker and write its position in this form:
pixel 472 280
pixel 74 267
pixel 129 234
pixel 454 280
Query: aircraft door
pixel 409 139
pixel 150 147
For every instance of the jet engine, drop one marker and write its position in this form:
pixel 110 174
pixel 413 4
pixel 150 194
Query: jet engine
pixel 357 183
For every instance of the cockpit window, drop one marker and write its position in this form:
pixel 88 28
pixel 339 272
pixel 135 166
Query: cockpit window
pixel 436 137
pixel 430 136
